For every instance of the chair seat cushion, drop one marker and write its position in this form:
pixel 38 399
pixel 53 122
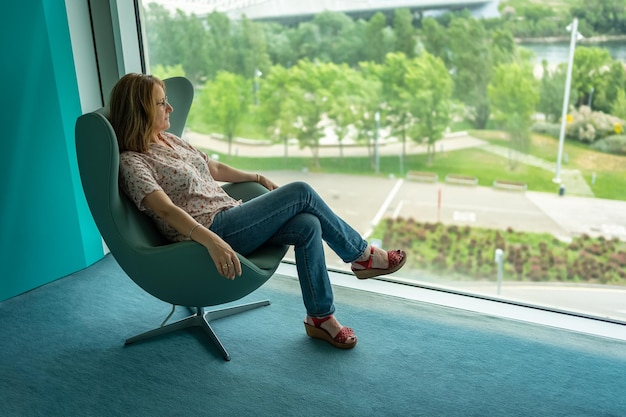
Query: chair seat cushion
pixel 268 256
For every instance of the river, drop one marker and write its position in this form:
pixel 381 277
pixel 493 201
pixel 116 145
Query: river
pixel 558 52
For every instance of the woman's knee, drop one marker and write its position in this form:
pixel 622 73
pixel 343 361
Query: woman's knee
pixel 308 225
pixel 300 187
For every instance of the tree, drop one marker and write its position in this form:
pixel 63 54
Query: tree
pixel 537 12
pixel 274 95
pixel 503 46
pixel 602 16
pixel 396 107
pixel 227 99
pixel 353 96
pixel 616 81
pixel 352 46
pixel 279 44
pixel 514 94
pixel 404 32
pixel 193 51
pixel 332 26
pixel 177 40
pixel 306 39
pixel 162 72
pixel 365 110
pixel 619 105
pixel 374 38
pixel 308 99
pixel 161 49
pixel 250 49
pixel 472 67
pixel 590 70
pixel 429 91
pixel 220 46
pixel 435 39
pixel 551 94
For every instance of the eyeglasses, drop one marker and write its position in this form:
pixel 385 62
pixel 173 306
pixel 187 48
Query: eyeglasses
pixel 163 103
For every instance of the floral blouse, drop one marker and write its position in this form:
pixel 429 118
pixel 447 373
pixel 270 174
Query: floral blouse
pixel 182 172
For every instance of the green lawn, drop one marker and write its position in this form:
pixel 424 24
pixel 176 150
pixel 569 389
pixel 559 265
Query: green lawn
pixel 609 170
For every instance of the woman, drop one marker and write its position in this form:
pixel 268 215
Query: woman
pixel 176 185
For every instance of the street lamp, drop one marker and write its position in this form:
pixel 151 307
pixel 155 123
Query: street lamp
pixel 257 74
pixel 573 28
pixel 376 156
pixel 590 97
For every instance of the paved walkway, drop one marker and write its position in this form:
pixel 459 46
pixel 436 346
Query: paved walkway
pixel 246 147
pixel 572 179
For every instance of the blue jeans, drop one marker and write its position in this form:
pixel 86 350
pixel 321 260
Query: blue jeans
pixel 294 214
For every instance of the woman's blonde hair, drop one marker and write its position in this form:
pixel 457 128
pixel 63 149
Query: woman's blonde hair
pixel 132 108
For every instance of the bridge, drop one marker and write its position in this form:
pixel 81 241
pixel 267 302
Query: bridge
pixel 292 12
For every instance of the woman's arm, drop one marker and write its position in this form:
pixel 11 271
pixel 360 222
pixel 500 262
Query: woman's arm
pixel 224 257
pixel 225 173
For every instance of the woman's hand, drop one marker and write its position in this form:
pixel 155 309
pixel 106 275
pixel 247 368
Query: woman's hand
pixel 225 258
pixel 267 183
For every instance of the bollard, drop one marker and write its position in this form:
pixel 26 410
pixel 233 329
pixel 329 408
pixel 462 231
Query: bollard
pixel 499 258
pixel 561 190
pixel 439 205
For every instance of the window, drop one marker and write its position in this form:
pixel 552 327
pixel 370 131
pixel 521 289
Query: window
pixel 436 133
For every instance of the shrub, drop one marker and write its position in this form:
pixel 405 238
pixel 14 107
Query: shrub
pixel 437 248
pixel 545 128
pixel 619 259
pixel 588 126
pixel 614 144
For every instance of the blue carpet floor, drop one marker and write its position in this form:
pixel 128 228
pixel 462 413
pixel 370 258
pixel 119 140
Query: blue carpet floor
pixel 62 353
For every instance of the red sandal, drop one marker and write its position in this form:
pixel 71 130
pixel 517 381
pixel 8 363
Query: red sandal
pixel 396 258
pixel 340 340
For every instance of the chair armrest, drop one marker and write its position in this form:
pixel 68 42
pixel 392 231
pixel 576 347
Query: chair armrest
pixel 244 190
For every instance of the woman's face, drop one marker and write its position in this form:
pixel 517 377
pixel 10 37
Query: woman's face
pixel 164 109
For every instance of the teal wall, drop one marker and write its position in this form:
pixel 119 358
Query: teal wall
pixel 46 230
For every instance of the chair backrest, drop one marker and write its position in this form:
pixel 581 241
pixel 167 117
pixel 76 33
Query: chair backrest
pixel 116 216
pixel 122 226
pixel 178 273
pixel 179 91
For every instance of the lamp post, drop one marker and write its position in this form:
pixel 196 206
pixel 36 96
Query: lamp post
pixel 573 28
pixel 376 156
pixel 257 74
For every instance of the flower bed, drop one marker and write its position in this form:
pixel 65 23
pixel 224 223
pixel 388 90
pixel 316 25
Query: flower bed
pixel 467 253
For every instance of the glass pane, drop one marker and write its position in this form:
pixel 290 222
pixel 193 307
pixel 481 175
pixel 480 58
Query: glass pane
pixel 436 133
